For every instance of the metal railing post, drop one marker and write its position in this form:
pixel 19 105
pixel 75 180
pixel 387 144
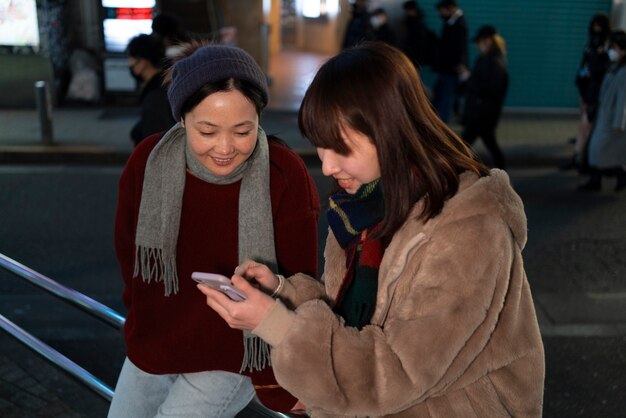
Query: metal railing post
pixel 87 304
pixel 57 358
pixel 44 111
pixel 253 410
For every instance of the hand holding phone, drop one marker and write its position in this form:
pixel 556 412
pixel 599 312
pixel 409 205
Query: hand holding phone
pixel 219 282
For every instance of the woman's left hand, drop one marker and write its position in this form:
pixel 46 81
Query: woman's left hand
pixel 244 315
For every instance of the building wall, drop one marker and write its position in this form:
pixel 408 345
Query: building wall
pixel 249 26
pixel 272 18
pixel 318 35
pixel 322 35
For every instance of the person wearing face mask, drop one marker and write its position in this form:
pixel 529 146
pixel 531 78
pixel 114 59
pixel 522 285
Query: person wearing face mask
pixel 485 92
pixel 212 191
pixel 607 143
pixel 593 65
pixel 145 59
pixel 382 29
pixel 425 309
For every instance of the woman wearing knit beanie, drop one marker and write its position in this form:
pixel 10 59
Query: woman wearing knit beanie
pixel 425 309
pixel 211 192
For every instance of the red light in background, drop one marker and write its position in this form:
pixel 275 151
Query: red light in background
pixel 134 13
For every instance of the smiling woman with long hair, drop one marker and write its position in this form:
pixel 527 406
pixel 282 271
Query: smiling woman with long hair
pixel 424 309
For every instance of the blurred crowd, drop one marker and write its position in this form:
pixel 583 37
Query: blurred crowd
pixel 473 93
pixel 600 143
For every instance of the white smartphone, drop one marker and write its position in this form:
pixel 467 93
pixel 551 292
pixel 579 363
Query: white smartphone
pixel 219 282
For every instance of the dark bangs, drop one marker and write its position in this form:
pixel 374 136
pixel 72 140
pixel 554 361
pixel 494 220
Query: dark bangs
pixel 330 102
pixel 246 88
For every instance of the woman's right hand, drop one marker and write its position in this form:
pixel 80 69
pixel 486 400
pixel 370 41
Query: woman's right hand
pixel 250 269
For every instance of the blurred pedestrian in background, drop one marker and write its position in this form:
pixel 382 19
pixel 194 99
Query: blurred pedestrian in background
pixel 382 29
pixel 594 64
pixel 146 54
pixel 451 57
pixel 359 27
pixel 420 43
pixel 425 309
pixel 211 192
pixel 485 92
pixel 171 31
pixel 607 143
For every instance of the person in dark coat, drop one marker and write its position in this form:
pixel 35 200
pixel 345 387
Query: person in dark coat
pixel 418 43
pixel 146 54
pixel 382 29
pixel 359 28
pixel 450 58
pixel 485 92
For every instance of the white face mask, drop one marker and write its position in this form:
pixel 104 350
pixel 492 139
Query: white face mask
pixel 376 21
pixel 613 55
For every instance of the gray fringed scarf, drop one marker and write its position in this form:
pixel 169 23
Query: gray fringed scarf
pixel 159 217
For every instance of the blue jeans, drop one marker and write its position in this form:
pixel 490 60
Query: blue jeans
pixel 215 394
pixel 445 95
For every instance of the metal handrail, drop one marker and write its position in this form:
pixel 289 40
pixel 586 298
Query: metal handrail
pixel 87 304
pixel 100 311
pixel 57 358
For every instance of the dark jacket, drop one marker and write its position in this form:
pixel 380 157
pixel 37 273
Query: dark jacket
pixel 593 66
pixel 359 29
pixel 485 92
pixel 156 113
pixel 385 34
pixel 419 43
pixel 452 48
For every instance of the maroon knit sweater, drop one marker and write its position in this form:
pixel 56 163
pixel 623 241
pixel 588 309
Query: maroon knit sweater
pixel 180 333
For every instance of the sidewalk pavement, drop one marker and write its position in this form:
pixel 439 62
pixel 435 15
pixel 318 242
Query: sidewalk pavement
pixel 99 135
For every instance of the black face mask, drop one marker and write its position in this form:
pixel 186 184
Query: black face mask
pixel 138 79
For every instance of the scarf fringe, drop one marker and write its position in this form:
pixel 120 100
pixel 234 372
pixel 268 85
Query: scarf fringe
pixel 256 353
pixel 150 261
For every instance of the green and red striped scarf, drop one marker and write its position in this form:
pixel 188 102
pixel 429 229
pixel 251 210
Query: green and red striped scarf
pixel 353 219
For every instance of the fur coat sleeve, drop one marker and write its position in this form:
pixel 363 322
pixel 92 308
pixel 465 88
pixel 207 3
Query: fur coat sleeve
pixel 453 327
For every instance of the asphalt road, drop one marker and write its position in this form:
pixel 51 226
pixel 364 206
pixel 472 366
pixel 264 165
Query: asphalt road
pixel 58 220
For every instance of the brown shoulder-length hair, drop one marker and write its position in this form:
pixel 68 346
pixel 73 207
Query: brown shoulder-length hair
pixel 375 89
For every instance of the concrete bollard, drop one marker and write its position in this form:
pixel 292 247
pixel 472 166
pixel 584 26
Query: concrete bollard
pixel 44 111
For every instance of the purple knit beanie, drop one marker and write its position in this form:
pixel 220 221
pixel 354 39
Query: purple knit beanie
pixel 209 64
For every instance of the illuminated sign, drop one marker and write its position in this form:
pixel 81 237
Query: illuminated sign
pixel 18 23
pixel 125 20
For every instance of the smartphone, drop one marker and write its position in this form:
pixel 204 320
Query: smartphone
pixel 219 282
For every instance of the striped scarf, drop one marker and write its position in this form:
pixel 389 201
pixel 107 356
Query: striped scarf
pixel 353 219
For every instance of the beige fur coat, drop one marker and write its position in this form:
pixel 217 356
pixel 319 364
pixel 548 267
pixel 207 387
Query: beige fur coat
pixel 454 333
